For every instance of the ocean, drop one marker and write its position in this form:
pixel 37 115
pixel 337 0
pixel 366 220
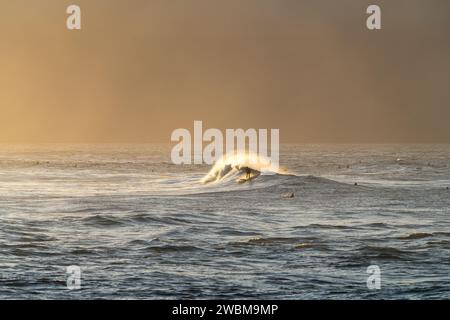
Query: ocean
pixel 140 227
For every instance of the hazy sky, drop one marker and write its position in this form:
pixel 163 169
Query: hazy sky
pixel 139 69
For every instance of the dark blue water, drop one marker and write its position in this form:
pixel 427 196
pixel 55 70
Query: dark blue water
pixel 140 227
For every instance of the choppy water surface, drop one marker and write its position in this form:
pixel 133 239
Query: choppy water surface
pixel 140 227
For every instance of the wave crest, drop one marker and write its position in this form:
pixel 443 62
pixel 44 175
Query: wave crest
pixel 240 166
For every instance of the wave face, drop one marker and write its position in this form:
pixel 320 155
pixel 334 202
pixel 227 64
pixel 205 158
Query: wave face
pixel 241 166
pixel 252 173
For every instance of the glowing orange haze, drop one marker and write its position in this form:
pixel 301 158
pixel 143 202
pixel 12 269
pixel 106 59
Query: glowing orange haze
pixel 139 69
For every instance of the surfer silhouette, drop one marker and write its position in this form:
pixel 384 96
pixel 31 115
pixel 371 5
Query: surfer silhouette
pixel 247 173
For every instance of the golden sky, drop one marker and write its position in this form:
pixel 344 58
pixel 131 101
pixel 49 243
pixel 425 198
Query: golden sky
pixel 139 69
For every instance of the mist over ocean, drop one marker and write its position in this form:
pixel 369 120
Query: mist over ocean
pixel 140 227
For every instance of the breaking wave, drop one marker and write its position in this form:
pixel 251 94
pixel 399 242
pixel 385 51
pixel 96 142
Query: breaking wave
pixel 241 167
pixel 250 172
